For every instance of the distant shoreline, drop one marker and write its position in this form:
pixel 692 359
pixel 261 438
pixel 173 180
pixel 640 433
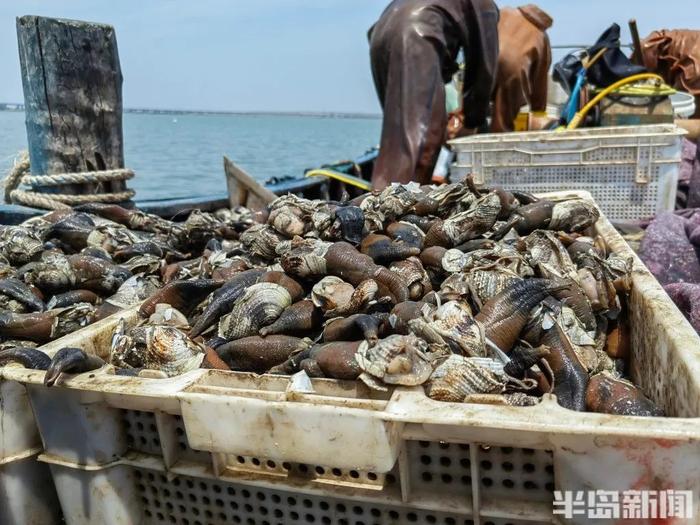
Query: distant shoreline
pixel 153 111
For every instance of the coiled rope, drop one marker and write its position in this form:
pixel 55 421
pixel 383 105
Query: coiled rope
pixel 19 175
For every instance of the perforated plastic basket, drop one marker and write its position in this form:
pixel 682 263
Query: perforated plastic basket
pixel 631 171
pixel 21 476
pixel 219 447
pixel 142 491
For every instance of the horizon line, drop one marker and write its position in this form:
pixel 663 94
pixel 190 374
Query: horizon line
pixel 15 106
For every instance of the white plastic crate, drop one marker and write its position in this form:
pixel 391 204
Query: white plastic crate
pixel 631 171
pixel 405 457
pixel 27 493
pixel 22 477
pixel 141 491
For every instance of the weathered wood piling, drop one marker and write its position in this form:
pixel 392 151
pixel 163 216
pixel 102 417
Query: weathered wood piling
pixel 72 84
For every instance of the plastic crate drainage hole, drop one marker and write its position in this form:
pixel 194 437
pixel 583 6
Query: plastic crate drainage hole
pixel 439 466
pixel 141 431
pixel 301 470
pixel 190 501
pixel 517 473
pixel 183 446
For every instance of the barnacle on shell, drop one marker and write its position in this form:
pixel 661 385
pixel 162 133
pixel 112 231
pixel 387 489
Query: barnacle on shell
pixel 169 350
pixel 458 377
pixel 260 305
pixel 261 240
pixel 396 360
pixel 331 292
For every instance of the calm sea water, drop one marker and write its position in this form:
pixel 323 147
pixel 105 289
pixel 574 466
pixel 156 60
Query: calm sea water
pixel 181 155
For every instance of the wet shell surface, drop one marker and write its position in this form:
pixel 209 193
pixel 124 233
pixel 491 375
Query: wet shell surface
pixel 167 315
pixel 261 240
pixel 148 264
pixel 288 220
pixel 441 199
pixel 546 252
pixel 331 292
pixel 348 225
pixel 361 298
pixel 475 221
pixel 484 284
pixel 68 320
pixel 396 360
pixel 454 260
pixel 260 305
pixel 458 377
pixel 305 257
pixel 113 237
pixel 392 202
pixel 171 351
pixel 134 290
pixel 53 273
pixel 398 199
pixel 18 297
pixel 453 325
pixel 18 245
pixel 120 345
pixel 414 275
pixel 407 233
pixel 573 215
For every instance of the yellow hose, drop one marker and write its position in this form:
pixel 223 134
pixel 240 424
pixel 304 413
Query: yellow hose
pixel 600 96
pixel 645 90
pixel 342 177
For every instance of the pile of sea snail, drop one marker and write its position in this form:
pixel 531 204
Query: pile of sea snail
pixel 69 268
pixel 478 295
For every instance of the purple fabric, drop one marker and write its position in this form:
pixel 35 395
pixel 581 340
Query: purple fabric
pixel 694 188
pixel 687 299
pixel 671 245
pixel 688 156
pixel 667 251
pixel 693 219
pixel 688 195
pixel 692 228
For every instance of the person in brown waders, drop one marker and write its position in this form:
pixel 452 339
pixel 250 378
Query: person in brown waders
pixel 523 64
pixel 675 55
pixel 413 50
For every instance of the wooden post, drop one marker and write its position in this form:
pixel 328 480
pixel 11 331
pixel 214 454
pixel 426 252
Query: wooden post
pixel 637 54
pixel 72 99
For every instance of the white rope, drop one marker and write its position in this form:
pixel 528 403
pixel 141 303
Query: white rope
pixel 19 174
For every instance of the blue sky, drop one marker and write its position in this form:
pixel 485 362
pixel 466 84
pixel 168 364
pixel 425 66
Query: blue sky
pixel 276 55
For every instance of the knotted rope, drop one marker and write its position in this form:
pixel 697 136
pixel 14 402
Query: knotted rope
pixel 19 174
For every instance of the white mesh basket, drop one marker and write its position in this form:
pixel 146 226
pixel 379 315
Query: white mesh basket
pixel 631 171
